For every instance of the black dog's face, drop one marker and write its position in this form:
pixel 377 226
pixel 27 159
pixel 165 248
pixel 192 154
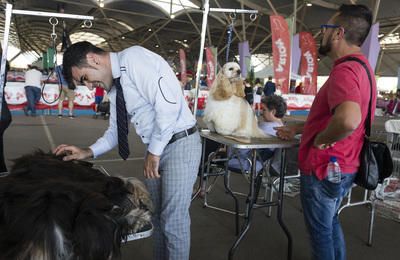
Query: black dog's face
pixel 76 211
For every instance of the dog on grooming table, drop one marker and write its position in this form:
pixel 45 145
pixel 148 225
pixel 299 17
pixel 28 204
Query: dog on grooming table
pixel 227 112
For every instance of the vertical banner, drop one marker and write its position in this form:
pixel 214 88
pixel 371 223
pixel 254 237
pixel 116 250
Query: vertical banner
pixel 182 60
pixel 244 58
pixel 211 65
pixel 398 78
pixel 308 63
pixel 281 52
pixel 371 46
pixel 296 54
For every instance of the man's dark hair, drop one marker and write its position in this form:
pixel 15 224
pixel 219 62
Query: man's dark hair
pixel 356 21
pixel 269 77
pixel 75 56
pixel 277 103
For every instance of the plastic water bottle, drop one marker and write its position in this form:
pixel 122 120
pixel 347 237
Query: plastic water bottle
pixel 334 172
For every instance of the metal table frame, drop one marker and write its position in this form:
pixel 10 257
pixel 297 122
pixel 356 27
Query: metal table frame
pixel 255 181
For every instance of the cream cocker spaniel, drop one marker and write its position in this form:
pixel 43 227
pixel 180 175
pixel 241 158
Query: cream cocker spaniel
pixel 227 112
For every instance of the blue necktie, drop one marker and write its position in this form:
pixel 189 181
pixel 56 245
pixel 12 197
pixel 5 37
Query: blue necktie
pixel 122 121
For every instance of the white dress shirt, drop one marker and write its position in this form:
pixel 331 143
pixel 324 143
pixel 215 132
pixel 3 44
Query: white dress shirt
pixel 153 97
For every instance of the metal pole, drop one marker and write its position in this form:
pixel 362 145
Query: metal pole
pixel 238 11
pixel 200 61
pixel 58 15
pixel 4 53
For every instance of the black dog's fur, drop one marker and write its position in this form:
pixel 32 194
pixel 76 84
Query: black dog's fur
pixel 52 209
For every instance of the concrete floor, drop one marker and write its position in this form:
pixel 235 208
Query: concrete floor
pixel 212 231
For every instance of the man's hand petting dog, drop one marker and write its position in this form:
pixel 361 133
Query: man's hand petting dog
pixel 72 152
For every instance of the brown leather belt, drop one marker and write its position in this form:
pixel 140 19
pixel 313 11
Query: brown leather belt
pixel 182 134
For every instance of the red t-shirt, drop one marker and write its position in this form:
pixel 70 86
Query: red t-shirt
pixel 348 81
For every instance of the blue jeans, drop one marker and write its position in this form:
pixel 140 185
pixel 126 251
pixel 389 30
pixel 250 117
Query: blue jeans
pixel 321 201
pixel 32 96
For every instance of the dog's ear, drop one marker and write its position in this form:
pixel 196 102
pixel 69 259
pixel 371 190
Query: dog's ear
pixel 239 89
pixel 221 88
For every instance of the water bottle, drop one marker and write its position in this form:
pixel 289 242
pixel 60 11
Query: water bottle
pixel 334 173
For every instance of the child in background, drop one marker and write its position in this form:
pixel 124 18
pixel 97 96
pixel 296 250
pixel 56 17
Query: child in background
pixel 98 97
pixel 274 109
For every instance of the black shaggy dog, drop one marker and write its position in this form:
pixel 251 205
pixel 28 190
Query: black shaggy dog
pixel 56 210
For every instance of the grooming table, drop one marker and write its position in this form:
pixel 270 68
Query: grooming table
pixel 255 180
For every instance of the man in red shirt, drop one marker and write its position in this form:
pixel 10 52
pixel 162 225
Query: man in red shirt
pixel 334 128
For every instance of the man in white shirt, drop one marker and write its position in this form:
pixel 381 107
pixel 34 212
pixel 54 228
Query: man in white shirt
pixel 33 80
pixel 158 111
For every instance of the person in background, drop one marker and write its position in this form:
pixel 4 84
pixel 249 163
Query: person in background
pixel 155 106
pixel 33 90
pixel 65 92
pixel 274 109
pixel 5 119
pixel 248 91
pixel 258 91
pixel 98 98
pixel 269 87
pixel 335 127
pixel 299 88
pixel 393 106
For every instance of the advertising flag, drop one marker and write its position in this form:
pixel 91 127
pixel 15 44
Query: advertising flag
pixel 182 60
pixel 281 52
pixel 211 65
pixel 308 63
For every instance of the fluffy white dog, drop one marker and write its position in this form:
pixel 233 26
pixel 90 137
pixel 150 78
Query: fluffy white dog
pixel 227 112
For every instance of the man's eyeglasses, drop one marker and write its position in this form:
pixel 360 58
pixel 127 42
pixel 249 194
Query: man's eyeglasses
pixel 326 26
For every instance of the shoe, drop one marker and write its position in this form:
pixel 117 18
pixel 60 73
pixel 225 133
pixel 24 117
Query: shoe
pixel 60 115
pixel 71 116
pixel 25 111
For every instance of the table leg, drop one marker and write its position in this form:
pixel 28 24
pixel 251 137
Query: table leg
pixel 280 203
pixel 250 202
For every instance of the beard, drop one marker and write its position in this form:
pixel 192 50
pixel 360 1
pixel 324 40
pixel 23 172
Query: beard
pixel 325 49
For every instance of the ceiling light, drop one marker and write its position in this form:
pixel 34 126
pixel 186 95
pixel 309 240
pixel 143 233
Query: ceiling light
pixel 157 46
pixel 123 37
pixel 308 4
pixel 184 40
pixel 172 16
pixel 101 4
pixel 149 29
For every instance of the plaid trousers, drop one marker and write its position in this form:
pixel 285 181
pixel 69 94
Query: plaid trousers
pixel 171 195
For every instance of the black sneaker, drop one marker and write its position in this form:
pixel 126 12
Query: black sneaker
pixel 71 116
pixel 25 111
pixel 60 115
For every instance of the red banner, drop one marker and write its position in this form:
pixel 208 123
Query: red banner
pixel 182 60
pixel 281 52
pixel 210 66
pixel 308 63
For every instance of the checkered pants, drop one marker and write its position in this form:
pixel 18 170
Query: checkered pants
pixel 171 195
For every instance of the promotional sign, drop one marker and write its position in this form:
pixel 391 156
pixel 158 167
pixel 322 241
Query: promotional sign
pixel 308 63
pixel 296 54
pixel 281 52
pixel 211 65
pixel 244 58
pixel 182 60
pixel 371 46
